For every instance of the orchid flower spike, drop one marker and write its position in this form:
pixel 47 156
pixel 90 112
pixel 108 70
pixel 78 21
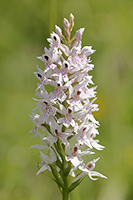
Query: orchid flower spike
pixel 63 115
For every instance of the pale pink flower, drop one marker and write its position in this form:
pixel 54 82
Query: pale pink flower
pixel 74 154
pixel 79 33
pixel 54 41
pixel 56 130
pixel 46 161
pixel 87 169
pixel 68 119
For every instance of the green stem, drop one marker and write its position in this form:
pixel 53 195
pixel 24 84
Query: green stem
pixel 65 192
pixel 64 171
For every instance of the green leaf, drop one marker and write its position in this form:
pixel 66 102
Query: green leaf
pixel 58 163
pixel 57 176
pixel 58 183
pixel 59 66
pixel 74 185
pixel 68 169
pixel 47 127
pixel 63 128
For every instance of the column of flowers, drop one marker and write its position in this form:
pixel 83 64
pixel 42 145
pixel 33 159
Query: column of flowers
pixel 66 113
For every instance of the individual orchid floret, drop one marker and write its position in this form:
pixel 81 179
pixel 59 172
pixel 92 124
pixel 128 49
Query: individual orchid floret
pixel 58 93
pixel 74 154
pixel 49 140
pixel 67 120
pixel 86 133
pixel 38 120
pixel 85 139
pixel 87 169
pixel 75 102
pixel 82 138
pixel 75 61
pixel 86 112
pixel 64 71
pixel 82 76
pixel 48 62
pixel 87 51
pixel 83 85
pixel 62 135
pixel 46 161
pixel 56 131
pixel 54 41
pixel 47 105
pixel 41 76
pixel 49 110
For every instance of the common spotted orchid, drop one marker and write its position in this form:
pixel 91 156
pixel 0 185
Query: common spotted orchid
pixel 65 121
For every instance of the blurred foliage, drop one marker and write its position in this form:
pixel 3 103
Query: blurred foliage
pixel 24 27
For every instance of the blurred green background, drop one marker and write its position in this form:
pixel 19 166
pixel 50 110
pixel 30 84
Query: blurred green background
pixel 24 27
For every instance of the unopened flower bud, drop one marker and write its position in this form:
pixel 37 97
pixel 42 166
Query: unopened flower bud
pixel 66 23
pixel 66 26
pixel 58 30
pixel 71 19
pixel 79 33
